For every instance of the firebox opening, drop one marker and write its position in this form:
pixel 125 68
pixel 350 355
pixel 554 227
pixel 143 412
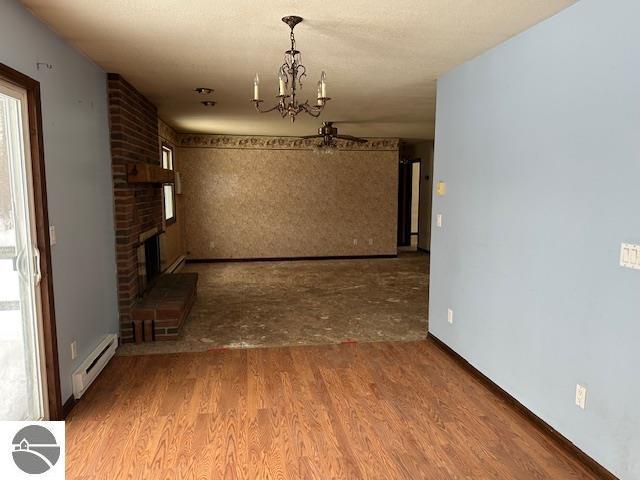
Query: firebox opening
pixel 149 262
pixel 152 258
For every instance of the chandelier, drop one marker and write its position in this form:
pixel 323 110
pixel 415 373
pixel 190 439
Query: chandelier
pixel 290 75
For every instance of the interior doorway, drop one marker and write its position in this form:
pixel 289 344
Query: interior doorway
pixel 415 201
pixel 30 389
pixel 414 196
pixel 409 202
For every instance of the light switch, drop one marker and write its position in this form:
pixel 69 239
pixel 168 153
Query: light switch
pixel 52 235
pixel 439 220
pixel 630 256
pixel 581 396
pixel 441 188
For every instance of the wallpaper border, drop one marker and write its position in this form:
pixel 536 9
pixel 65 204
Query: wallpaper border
pixel 167 133
pixel 191 140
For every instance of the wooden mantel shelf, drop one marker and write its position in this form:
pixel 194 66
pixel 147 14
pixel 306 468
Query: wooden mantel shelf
pixel 147 173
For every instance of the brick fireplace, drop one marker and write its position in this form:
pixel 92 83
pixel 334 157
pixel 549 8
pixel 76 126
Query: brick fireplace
pixel 153 305
pixel 138 206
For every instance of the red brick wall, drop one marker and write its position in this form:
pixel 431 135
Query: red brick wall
pixel 134 139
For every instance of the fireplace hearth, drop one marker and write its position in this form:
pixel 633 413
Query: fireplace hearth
pixel 164 299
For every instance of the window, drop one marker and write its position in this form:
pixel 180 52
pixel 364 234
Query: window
pixel 168 189
pixel 169 213
pixel 167 157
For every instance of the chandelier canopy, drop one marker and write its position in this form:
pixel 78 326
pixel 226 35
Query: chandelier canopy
pixel 290 75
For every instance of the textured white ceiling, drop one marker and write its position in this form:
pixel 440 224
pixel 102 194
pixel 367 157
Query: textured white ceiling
pixel 382 57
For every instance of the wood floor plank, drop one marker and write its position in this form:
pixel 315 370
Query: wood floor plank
pixel 363 411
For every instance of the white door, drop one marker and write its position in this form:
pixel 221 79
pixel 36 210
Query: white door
pixel 22 374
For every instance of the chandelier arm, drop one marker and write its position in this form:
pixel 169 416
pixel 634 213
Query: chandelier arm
pixel 313 110
pixel 278 106
pixel 302 72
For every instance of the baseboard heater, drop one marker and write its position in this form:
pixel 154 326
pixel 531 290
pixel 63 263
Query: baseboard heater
pixel 93 365
pixel 177 265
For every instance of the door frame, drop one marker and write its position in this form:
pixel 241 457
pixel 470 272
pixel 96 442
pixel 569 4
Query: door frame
pixel 52 367
pixel 405 190
pixel 417 232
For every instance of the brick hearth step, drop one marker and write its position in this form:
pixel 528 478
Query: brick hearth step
pixel 160 314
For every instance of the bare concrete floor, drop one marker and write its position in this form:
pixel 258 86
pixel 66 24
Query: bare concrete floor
pixel 267 304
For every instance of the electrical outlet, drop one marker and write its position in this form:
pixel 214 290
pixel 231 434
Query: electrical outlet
pixel 355 242
pixel 212 244
pixel 370 241
pixel 581 396
pixel 74 350
pixel 439 220
pixel 450 316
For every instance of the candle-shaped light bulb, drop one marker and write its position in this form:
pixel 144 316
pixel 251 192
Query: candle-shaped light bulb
pixel 323 85
pixel 282 86
pixel 319 93
pixel 256 88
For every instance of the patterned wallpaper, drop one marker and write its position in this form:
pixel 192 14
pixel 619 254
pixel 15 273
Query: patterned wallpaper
pixel 166 133
pixel 260 197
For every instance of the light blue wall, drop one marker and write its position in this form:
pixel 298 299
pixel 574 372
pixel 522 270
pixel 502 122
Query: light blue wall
pixel 78 167
pixel 539 143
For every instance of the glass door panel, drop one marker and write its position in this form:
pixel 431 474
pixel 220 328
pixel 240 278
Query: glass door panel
pixel 21 368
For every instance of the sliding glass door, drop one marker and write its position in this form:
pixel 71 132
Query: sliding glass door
pixel 22 373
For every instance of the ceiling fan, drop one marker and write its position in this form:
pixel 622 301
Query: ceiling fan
pixel 329 134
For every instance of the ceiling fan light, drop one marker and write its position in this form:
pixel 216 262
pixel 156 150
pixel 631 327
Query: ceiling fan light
pixel 323 148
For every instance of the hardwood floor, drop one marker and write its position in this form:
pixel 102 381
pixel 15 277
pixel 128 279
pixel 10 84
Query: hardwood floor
pixel 369 410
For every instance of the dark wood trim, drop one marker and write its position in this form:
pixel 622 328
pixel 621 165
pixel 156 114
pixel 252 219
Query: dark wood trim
pixel 68 406
pixel 42 226
pixel 286 259
pixel 564 443
pixel 420 249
